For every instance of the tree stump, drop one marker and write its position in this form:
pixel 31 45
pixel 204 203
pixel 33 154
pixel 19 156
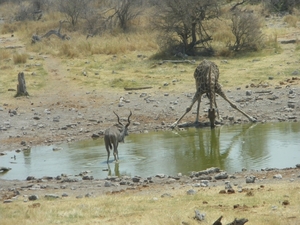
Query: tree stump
pixel 21 87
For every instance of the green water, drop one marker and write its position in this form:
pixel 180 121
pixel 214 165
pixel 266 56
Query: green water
pixel 231 148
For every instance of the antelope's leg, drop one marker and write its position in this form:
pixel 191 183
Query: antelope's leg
pixel 116 152
pixel 108 153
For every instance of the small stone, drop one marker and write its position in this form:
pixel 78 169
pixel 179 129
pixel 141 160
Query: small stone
pixel 33 197
pixel 285 202
pixel 277 176
pixel 87 178
pixel 160 175
pixel 222 175
pixel 230 191
pixel 191 192
pixel 199 216
pixel 107 184
pixel 166 195
pixel 30 178
pixel 136 179
pixel 250 179
pixel 51 196
pixel 248 93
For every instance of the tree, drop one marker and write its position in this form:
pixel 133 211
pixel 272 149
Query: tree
pixel 246 28
pixel 183 24
pixel 73 9
pixel 125 12
pixel 282 5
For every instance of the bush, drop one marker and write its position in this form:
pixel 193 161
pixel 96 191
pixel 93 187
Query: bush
pixel 246 28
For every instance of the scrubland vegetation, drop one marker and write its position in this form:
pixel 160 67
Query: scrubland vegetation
pixel 110 45
pixel 129 38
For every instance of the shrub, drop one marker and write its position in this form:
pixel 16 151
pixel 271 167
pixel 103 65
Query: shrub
pixel 246 28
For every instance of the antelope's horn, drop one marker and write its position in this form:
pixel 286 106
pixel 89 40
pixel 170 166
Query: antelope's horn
pixel 118 118
pixel 128 119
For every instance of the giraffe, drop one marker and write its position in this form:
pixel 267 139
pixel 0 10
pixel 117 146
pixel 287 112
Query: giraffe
pixel 206 76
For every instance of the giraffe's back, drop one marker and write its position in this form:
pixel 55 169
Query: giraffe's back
pixel 202 76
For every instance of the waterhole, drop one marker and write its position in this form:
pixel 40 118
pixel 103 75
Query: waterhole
pixel 231 148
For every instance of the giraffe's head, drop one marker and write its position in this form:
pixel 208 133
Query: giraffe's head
pixel 212 117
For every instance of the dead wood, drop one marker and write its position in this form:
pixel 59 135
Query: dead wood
pixel 35 38
pixel 237 4
pixel 289 42
pixel 178 61
pixel 136 88
pixel 235 222
pixel 21 87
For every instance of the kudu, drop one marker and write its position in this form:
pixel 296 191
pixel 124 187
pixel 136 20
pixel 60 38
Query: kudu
pixel 112 137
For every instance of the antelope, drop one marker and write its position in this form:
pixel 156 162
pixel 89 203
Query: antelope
pixel 112 137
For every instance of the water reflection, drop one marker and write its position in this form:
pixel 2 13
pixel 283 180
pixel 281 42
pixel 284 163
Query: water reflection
pixel 251 146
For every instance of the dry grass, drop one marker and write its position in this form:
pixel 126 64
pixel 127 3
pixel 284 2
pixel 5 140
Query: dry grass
pixel 291 20
pixel 20 58
pixel 258 205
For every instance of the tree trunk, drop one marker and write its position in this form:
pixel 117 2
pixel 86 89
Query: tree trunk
pixel 21 87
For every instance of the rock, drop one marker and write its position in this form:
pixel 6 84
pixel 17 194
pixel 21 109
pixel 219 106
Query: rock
pixel 199 216
pixel 285 202
pixel 51 196
pixel 30 178
pixel 227 185
pixel 8 201
pixel 166 195
pixel 250 179
pixel 277 176
pixel 4 169
pixel 107 184
pixel 248 93
pixel 88 195
pixel 95 135
pixel 33 197
pixel 191 192
pixel 87 178
pixel 207 171
pixel 230 191
pixel 222 175
pixel 136 179
pixel 204 183
pixel 160 175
